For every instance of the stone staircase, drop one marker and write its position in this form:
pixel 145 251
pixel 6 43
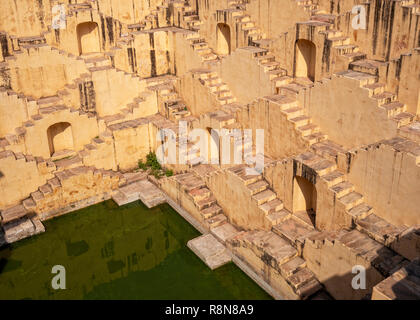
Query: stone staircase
pixel 188 17
pixel 215 86
pixel 203 199
pixel 248 28
pixel 384 260
pixel 39 109
pixel 283 254
pixel 279 254
pixel 261 193
pixel 201 48
pixel 170 103
pixel 20 221
pixel 366 74
pixel 267 62
pixel 93 60
pixel 60 175
pixel 289 105
pixel 344 192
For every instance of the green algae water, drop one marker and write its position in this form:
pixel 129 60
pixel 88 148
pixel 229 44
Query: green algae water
pixel 112 252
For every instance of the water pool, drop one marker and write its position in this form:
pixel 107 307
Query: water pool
pixel 112 252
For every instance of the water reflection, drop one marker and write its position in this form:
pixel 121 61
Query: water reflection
pixel 129 252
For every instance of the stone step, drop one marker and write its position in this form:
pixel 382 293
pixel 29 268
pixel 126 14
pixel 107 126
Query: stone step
pixel 13 213
pixel 69 163
pixel 46 189
pixel 394 108
pixel 276 217
pixel 22 228
pixel 363 78
pixel 346 49
pixel 333 178
pixel 379 229
pixel 200 194
pixel 403 119
pixel 343 188
pixel 315 138
pixel 328 150
pixel 351 200
pixel 29 204
pixel 308 129
pixel 272 206
pixel 211 211
pixel 367 66
pixel 272 245
pixel 216 221
pixel 258 187
pixel 301 121
pixel 246 179
pixel 375 88
pixel 205 203
pixel 300 278
pixel 304 218
pixel 292 266
pixel 308 288
pixel 385 97
pixel 294 112
pixel 293 231
pixel 360 211
pixel 264 196
pixel 322 166
pixel 210 251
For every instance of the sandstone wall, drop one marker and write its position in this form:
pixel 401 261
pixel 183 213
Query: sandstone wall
pixel 197 96
pixel 41 72
pixel 346 113
pixel 128 11
pixel 387 174
pixel 152 53
pixel 185 58
pixel 332 263
pixel 281 139
pixel 281 175
pixel 76 184
pixel 131 143
pixel 25 17
pixel 240 71
pixel 19 178
pixel 115 90
pixel 10 121
pixel 276 20
pixel 83 130
pixel 403 79
pixel 236 201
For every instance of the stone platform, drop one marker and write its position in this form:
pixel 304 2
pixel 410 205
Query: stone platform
pixel 19 229
pixel 142 190
pixel 404 284
pixel 210 250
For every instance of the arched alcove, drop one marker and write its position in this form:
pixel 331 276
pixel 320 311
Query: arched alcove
pixel 88 37
pixel 223 39
pixel 60 137
pixel 305 59
pixel 214 146
pixel 304 197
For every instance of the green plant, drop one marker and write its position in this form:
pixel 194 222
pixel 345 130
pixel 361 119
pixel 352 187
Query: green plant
pixel 153 164
pixel 142 165
pixel 152 161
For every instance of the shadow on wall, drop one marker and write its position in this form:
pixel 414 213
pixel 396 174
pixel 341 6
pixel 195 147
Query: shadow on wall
pixel 383 266
pixel 88 37
pixel 408 245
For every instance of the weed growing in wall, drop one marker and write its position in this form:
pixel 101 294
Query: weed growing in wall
pixel 154 166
